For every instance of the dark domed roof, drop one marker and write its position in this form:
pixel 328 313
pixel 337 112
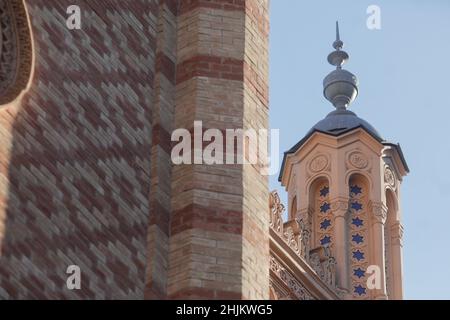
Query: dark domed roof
pixel 340 121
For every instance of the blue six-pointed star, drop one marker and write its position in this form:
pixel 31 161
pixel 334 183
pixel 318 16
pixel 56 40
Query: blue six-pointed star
pixel 325 224
pixel 360 290
pixel 358 255
pixel 357 206
pixel 325 207
pixel 355 190
pixel 359 273
pixel 325 191
pixel 357 222
pixel 325 240
pixel 357 238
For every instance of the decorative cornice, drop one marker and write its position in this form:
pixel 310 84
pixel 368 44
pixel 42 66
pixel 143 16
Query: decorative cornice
pixel 15 50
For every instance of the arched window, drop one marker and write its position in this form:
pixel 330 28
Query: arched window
pixel 323 216
pixel 358 235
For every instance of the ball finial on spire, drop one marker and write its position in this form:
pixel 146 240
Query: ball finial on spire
pixel 340 86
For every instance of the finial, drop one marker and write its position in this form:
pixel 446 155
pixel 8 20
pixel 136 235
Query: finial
pixel 338 57
pixel 340 86
pixel 338 44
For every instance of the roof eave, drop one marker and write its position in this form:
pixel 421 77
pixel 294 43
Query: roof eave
pixel 299 144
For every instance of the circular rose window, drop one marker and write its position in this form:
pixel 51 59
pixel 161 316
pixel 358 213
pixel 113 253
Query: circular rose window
pixel 15 50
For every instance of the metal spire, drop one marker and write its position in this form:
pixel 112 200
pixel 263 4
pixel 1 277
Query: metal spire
pixel 338 57
pixel 338 44
pixel 340 86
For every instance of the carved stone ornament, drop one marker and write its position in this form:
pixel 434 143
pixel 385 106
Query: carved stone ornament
pixel 323 264
pixel 305 235
pixel 358 160
pixel 379 212
pixel 322 261
pixel 276 212
pixel 297 289
pixel 318 164
pixel 15 50
pixel 389 177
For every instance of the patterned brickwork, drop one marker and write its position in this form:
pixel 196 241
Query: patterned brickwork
pixel 86 176
pixel 162 126
pixel 15 50
pixel 219 228
pixel 79 163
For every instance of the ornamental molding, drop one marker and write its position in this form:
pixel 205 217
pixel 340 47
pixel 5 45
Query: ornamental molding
pixel 15 50
pixel 357 159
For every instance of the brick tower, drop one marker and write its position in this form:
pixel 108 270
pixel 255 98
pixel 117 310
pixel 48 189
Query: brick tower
pixel 86 174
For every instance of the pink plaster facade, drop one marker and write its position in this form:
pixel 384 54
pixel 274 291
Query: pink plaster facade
pixel 333 166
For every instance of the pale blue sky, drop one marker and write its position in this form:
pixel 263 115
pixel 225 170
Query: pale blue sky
pixel 404 73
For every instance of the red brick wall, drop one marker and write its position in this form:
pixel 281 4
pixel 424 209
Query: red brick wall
pixel 79 161
pixel 86 176
pixel 219 226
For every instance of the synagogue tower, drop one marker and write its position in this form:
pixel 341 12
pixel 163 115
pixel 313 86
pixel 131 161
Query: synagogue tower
pixel 343 182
